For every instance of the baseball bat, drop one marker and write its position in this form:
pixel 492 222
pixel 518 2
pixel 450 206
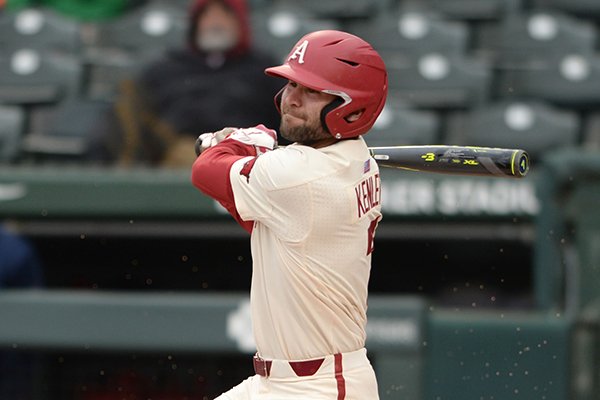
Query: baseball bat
pixel 466 160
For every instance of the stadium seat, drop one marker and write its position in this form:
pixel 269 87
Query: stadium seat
pixel 398 125
pixel 62 131
pixel 582 8
pixel 441 82
pixel 278 27
pixel 591 132
pixel 120 47
pixel 103 80
pixel 467 9
pixel 151 28
pixel 530 125
pixel 340 10
pixel 29 76
pixel 573 81
pixel 531 40
pixel 12 120
pixel 412 34
pixel 39 29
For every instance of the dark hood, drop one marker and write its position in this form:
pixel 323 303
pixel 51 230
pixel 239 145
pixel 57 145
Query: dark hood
pixel 240 9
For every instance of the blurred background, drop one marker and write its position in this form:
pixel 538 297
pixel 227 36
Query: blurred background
pixel 118 280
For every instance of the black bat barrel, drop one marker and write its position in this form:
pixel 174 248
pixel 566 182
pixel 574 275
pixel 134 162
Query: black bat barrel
pixel 465 160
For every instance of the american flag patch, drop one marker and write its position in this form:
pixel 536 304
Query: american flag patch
pixel 366 166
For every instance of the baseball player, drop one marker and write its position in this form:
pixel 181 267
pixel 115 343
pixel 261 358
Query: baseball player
pixel 312 209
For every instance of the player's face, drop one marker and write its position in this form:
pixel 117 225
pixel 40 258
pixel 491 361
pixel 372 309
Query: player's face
pixel 301 113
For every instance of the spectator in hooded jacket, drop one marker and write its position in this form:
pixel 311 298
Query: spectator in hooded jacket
pixel 215 81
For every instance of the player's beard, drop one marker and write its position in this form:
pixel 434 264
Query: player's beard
pixel 307 133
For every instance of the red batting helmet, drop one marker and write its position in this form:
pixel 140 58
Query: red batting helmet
pixel 346 66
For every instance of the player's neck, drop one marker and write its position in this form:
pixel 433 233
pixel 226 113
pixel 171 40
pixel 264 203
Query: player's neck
pixel 317 144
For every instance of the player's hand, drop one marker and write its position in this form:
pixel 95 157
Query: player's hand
pixel 211 139
pixel 262 138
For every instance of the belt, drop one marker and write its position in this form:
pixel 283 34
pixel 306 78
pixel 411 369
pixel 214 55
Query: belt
pixel 262 367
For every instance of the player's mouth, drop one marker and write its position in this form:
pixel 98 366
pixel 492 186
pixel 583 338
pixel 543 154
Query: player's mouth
pixel 291 118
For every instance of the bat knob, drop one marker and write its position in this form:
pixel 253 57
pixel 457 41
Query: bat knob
pixel 520 164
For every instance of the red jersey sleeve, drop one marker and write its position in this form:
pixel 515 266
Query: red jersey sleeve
pixel 210 174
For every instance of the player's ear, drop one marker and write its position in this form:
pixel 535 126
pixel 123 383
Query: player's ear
pixel 354 116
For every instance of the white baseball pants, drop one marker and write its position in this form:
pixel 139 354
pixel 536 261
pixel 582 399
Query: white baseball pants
pixel 345 376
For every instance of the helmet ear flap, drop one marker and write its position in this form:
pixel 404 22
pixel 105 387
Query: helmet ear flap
pixel 335 103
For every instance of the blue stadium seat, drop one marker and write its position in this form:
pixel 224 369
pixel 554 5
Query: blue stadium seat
pixel 412 34
pixel 39 29
pixel 534 39
pixel 530 125
pixel 398 124
pixel 573 81
pixel 437 81
pixel 12 120
pixel 29 76
pixel 278 27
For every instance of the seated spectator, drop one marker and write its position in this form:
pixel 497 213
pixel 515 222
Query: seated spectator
pixel 19 263
pixel 215 81
pixel 19 268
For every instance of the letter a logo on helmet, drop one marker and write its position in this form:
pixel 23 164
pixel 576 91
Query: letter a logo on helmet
pixel 345 66
pixel 299 52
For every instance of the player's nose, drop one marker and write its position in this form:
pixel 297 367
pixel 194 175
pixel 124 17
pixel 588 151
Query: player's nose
pixel 292 96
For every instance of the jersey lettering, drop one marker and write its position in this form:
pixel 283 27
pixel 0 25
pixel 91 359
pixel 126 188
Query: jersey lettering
pixel 368 194
pixel 299 52
pixel 371 234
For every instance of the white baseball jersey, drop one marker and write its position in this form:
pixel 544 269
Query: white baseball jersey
pixel 315 213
